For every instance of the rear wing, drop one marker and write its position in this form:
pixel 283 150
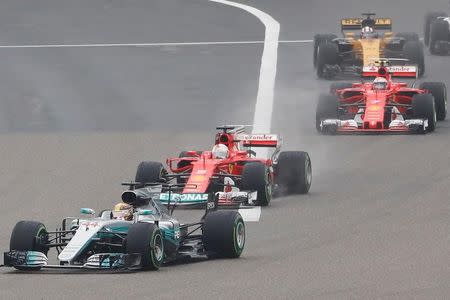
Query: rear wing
pixel 259 140
pixel 356 23
pixel 395 71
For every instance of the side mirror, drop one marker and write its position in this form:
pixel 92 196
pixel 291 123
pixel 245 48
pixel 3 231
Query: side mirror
pixel 87 211
pixel 145 212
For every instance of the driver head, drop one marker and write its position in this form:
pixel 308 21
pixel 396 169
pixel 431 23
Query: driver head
pixel 367 32
pixel 220 151
pixel 380 83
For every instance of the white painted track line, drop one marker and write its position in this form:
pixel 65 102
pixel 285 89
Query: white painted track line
pixel 264 100
pixel 175 44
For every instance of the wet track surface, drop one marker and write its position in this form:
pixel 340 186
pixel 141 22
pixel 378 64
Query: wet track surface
pixel 75 122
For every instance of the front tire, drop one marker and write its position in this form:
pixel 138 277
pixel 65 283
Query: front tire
pixel 327 108
pixel 29 236
pixel 224 233
pixel 256 177
pixel 294 172
pixel 147 240
pixel 439 92
pixel 423 108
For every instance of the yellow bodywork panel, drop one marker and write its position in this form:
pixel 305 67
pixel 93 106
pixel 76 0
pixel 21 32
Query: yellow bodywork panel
pixel 370 50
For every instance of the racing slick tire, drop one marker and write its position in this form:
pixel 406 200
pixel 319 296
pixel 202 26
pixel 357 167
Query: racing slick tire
pixel 293 172
pixel 319 39
pixel 184 163
pixel 423 107
pixel 327 108
pixel 224 233
pixel 256 177
pixel 408 36
pixel 439 92
pixel 439 31
pixel 327 54
pixel 29 236
pixel 340 86
pixel 413 51
pixel 429 18
pixel 150 171
pixel 146 239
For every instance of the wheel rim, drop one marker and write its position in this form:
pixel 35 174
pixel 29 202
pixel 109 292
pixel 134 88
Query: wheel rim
pixel 240 236
pixel 40 234
pixel 269 186
pixel 158 248
pixel 308 171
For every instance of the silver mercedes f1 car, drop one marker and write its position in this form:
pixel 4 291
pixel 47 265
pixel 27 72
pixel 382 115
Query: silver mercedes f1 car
pixel 147 240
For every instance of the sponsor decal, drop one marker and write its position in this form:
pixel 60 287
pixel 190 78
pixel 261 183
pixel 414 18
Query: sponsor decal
pixel 395 69
pixel 89 224
pixel 258 137
pixel 198 178
pixel 358 21
pixel 184 197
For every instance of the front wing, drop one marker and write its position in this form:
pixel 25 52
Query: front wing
pixel 101 261
pixel 336 126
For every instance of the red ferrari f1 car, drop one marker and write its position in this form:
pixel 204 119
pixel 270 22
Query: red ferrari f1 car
pixel 231 171
pixel 382 105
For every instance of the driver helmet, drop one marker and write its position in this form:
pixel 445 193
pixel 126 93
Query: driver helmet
pixel 380 83
pixel 220 151
pixel 367 32
pixel 122 211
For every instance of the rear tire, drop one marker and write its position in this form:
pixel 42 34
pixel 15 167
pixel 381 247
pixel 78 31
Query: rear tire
pixel 439 31
pixel 256 177
pixel 149 172
pixel 327 108
pixel 319 39
pixel 429 18
pixel 224 233
pixel 413 50
pixel 423 108
pixel 340 86
pixel 294 172
pixel 29 236
pixel 146 239
pixel 408 36
pixel 439 92
pixel 327 54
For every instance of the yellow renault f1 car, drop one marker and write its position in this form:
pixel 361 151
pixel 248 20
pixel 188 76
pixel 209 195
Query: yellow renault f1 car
pixel 355 52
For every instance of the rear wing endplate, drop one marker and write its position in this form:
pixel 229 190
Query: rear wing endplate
pixel 356 24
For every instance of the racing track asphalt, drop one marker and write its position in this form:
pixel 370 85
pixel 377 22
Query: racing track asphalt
pixel 75 122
